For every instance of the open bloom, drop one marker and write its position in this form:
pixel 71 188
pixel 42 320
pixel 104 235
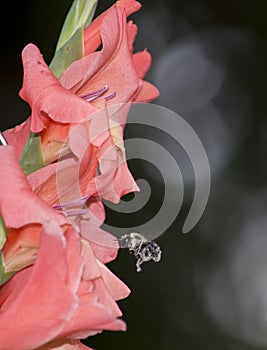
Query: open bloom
pixel 101 79
pixel 67 291
pixel 24 224
pixel 68 296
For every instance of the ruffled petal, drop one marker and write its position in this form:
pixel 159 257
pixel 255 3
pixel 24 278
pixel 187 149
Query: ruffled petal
pixel 92 39
pixel 142 62
pixel 147 93
pixel 111 66
pixel 45 291
pixel 97 294
pixel 47 98
pixel 17 136
pixel 17 208
pixel 65 344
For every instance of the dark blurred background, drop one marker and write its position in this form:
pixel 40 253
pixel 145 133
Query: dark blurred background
pixel 209 63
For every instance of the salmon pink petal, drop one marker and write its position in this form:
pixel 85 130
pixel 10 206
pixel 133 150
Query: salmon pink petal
pixel 17 209
pixel 45 291
pixel 104 245
pixel 44 181
pixel 46 96
pixel 21 247
pixel 96 208
pixel 91 270
pixel 117 181
pixel 131 32
pixel 112 66
pixel 18 136
pixel 41 176
pixel 147 92
pixel 92 39
pixel 97 311
pixel 65 344
pixel 67 180
pixel 58 182
pixel 142 62
pixel 117 289
pixel 105 298
pixel 104 252
pixel 73 345
pixel 94 270
pixel 117 325
pixel 91 318
pixel 74 260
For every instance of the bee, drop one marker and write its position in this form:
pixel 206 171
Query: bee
pixel 143 249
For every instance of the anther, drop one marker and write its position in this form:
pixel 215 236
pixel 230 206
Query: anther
pixel 79 201
pixel 110 96
pixel 92 96
pixel 95 94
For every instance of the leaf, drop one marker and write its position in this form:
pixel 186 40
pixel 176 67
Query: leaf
pixel 71 51
pixel 32 155
pixel 80 15
pixel 70 43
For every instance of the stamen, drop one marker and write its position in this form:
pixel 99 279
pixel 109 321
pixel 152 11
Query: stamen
pixel 3 140
pixel 110 96
pixel 79 201
pixel 95 94
pixel 92 96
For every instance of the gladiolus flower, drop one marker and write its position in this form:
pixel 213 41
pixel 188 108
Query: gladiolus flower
pixel 97 80
pixel 24 224
pixel 72 289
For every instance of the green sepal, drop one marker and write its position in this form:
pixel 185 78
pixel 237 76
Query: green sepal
pixel 32 156
pixel 2 232
pixel 80 15
pixel 4 276
pixel 71 51
pixel 70 43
